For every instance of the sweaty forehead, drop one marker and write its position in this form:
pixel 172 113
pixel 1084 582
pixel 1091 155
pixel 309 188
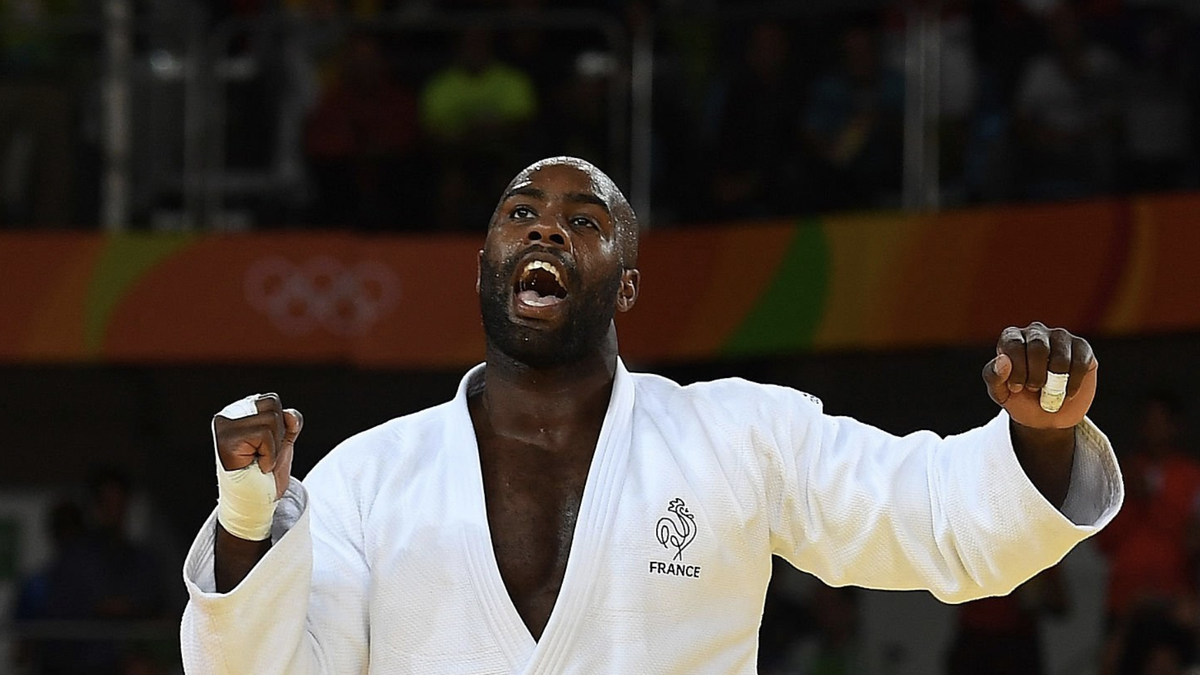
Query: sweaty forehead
pixel 577 174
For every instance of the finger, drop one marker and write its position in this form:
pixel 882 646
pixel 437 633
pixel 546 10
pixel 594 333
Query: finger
pixel 1060 351
pixel 270 403
pixel 1083 361
pixel 995 374
pixel 1012 345
pixel 293 423
pixel 1037 355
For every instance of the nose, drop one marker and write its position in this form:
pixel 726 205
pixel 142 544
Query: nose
pixel 548 232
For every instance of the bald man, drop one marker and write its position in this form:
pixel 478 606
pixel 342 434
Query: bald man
pixel 562 515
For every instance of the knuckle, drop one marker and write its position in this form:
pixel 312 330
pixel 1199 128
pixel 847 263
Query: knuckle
pixel 1011 333
pixel 1038 345
pixel 268 403
pixel 1012 340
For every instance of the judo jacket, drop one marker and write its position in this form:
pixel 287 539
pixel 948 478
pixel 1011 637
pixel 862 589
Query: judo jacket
pixel 382 560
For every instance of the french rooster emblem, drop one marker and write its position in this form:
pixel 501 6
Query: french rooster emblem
pixel 677 532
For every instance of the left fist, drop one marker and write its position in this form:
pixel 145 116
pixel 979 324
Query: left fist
pixel 1023 357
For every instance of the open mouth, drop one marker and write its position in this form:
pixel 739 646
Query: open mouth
pixel 539 284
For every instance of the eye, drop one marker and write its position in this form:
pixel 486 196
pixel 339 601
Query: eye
pixel 581 221
pixel 522 212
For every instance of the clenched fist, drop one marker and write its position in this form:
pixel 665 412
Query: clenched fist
pixel 1023 358
pixel 254 439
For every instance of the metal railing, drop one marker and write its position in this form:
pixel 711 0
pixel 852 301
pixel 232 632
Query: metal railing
pixel 204 69
pixel 207 179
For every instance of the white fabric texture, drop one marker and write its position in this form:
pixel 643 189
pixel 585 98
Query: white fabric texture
pixel 383 562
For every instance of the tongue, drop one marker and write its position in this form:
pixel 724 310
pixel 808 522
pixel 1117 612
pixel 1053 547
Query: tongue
pixel 535 299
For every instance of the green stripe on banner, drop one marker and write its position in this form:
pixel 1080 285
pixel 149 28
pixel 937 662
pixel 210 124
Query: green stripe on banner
pixel 789 312
pixel 125 260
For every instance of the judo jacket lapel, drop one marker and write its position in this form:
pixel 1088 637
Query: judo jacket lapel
pixel 593 528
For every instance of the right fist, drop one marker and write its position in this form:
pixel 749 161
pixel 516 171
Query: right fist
pixel 266 437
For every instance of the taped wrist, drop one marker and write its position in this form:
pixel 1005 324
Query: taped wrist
pixel 245 497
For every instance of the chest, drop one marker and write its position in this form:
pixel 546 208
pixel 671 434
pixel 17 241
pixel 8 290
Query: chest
pixel 475 565
pixel 533 497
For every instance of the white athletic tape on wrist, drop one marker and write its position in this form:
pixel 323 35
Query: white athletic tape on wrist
pixel 245 497
pixel 1054 392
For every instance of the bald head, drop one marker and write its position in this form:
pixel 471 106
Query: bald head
pixel 624 220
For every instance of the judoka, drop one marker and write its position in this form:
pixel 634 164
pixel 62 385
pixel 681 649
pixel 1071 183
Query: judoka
pixel 565 516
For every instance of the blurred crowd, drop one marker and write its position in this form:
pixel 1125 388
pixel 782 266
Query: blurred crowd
pixel 370 114
pixel 103 603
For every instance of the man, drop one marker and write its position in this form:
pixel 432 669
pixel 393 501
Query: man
pixel 562 515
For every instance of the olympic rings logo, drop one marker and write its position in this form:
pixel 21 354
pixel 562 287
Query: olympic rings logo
pixel 321 293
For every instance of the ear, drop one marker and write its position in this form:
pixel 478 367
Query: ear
pixel 478 270
pixel 628 293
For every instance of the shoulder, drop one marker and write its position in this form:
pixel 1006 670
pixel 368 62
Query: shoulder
pixel 384 447
pixel 733 400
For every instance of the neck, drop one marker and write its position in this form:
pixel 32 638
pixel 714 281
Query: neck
pixel 542 405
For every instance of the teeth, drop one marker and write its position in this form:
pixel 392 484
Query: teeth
pixel 542 265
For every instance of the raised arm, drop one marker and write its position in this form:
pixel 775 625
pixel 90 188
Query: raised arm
pixel 963 516
pixel 276 577
pixel 255 439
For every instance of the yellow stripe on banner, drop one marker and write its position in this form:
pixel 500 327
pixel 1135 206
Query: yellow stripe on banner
pixel 867 253
pixel 1125 312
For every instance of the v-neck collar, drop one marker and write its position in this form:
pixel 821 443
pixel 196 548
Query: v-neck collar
pixel 592 528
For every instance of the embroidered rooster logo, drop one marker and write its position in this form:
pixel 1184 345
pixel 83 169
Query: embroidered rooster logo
pixel 678 532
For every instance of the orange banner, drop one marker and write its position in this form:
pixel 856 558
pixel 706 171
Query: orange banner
pixel 876 281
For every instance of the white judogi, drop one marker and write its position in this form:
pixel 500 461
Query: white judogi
pixel 383 561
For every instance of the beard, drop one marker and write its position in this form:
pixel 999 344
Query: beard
pixel 589 314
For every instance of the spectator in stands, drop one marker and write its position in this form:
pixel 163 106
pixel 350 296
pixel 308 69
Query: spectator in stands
pixel 1067 106
pixel 1001 636
pixel 852 126
pixel 361 141
pixel 1006 36
pixel 477 111
pixel 579 110
pixel 1152 544
pixel 535 51
pixel 37 161
pixel 66 528
pixel 1157 116
pixel 1154 641
pixel 755 171
pixel 97 575
pixel 958 85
